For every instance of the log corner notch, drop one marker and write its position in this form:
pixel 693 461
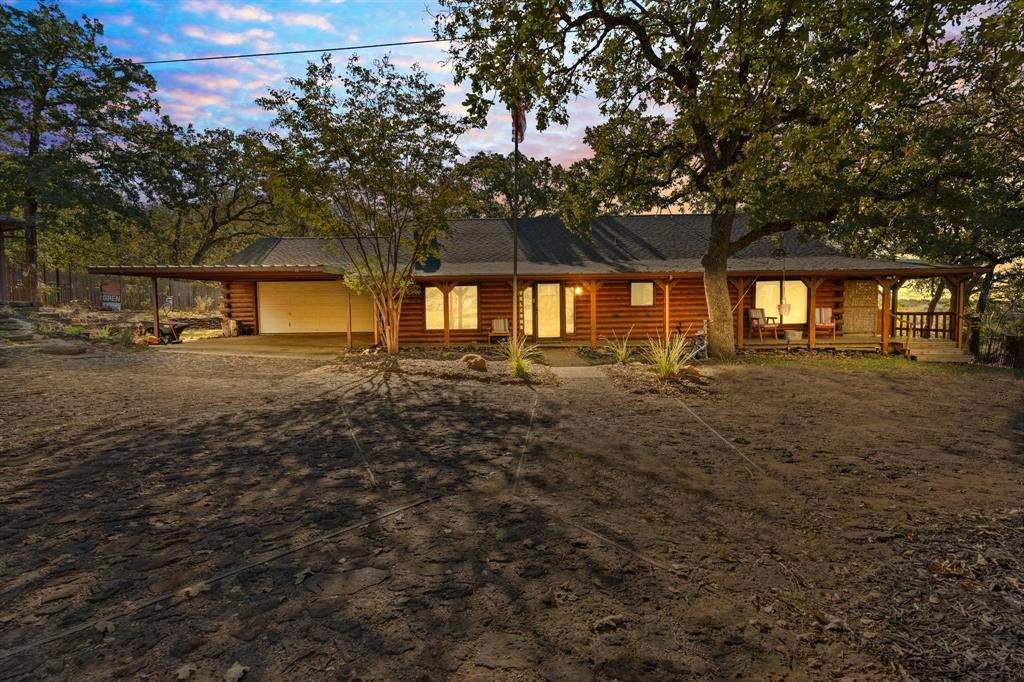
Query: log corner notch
pixel 591 287
pixel 887 284
pixel 812 284
pixel 741 284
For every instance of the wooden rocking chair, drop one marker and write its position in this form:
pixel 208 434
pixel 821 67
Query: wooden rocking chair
pixel 500 329
pixel 824 320
pixel 761 324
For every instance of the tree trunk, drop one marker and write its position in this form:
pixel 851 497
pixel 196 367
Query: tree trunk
pixel 721 343
pixel 974 343
pixel 932 305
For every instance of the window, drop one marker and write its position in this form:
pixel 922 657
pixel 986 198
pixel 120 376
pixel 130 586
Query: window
pixel 570 310
pixel 768 295
pixel 462 307
pixel 641 293
pixel 433 301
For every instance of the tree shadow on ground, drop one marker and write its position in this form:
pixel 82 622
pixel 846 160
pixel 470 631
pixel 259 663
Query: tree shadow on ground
pixel 473 581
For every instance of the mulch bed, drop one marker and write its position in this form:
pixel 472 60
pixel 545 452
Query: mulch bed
pixel 640 379
pixel 445 363
pixel 950 607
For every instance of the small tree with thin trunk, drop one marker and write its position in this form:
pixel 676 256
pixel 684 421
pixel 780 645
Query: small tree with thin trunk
pixel 369 167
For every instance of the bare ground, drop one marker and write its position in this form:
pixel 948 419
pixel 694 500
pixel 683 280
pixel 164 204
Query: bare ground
pixel 167 514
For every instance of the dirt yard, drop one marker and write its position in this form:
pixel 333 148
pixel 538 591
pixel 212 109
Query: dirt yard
pixel 176 516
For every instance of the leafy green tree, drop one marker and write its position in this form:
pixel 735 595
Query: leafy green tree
pixel 958 194
pixel 64 101
pixel 762 108
pixel 370 167
pixel 204 192
pixel 489 181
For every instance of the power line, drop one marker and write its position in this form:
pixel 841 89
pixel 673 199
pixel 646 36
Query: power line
pixel 344 48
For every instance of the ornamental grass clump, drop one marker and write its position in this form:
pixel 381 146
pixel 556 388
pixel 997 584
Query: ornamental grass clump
pixel 669 356
pixel 619 348
pixel 520 355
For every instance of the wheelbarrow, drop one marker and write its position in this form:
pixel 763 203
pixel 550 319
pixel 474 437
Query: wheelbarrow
pixel 171 333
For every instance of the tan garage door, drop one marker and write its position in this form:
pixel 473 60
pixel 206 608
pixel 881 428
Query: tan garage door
pixel 310 307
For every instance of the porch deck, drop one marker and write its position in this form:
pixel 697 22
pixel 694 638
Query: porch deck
pixel 841 342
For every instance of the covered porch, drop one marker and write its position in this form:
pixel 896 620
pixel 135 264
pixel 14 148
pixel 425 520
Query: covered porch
pixel 852 312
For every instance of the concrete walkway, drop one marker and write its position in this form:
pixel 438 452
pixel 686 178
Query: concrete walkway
pixel 272 345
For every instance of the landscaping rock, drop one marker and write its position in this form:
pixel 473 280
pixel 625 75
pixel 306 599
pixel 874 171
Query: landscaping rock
pixel 474 362
pixel 15 329
pixel 58 347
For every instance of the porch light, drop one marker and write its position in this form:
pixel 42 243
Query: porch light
pixel 578 290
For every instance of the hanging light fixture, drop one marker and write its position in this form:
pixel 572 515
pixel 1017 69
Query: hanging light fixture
pixel 784 308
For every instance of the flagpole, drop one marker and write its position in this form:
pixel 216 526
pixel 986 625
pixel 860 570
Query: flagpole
pixel 515 233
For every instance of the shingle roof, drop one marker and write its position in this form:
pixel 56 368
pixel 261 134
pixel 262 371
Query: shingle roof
pixel 616 244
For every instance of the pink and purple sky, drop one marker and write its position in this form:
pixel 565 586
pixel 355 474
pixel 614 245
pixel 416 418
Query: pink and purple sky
pixel 222 93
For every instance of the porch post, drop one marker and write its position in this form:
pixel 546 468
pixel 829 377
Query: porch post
pixel 741 290
pixel 666 286
pixel 3 267
pixel 348 328
pixel 591 287
pixel 812 285
pixel 156 309
pixel 886 311
pixel 445 290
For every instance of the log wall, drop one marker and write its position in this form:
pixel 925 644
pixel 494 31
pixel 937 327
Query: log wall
pixel 238 302
pixel 494 301
pixel 615 315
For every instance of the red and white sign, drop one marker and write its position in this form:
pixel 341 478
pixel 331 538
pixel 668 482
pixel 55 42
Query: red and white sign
pixel 110 295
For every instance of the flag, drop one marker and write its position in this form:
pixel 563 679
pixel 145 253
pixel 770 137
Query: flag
pixel 518 124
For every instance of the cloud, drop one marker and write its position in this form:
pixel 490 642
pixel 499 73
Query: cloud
pixel 223 10
pixel 206 81
pixel 307 20
pixel 120 19
pixel 227 38
pixel 181 96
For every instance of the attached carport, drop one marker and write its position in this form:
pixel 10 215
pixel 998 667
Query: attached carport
pixel 277 299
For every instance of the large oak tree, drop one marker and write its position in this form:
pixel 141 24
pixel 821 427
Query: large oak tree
pixel 64 102
pixel 725 107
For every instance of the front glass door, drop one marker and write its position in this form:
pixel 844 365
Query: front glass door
pixel 549 310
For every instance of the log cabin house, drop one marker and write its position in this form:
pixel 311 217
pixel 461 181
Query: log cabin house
pixel 637 274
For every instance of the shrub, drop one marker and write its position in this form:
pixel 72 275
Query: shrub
pixel 618 348
pixel 75 330
pixel 669 356
pixel 520 355
pixel 203 304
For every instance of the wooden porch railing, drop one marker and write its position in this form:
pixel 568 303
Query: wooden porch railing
pixel 923 325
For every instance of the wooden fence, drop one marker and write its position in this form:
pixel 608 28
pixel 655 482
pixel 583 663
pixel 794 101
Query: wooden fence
pixel 65 287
